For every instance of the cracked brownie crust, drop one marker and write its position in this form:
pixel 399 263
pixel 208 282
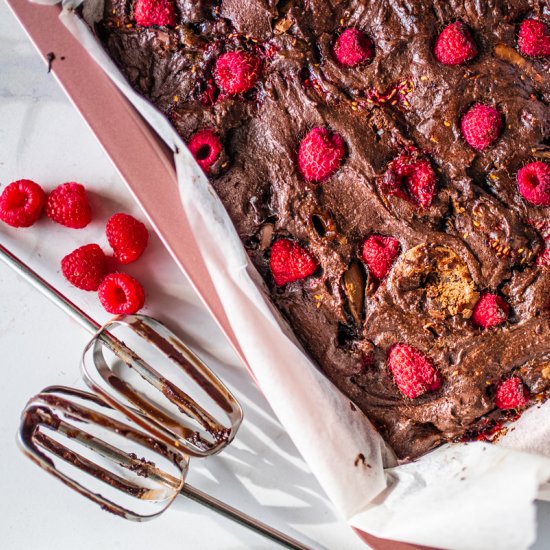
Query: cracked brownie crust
pixel 456 277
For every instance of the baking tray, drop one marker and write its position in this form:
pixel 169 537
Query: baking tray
pixel 143 161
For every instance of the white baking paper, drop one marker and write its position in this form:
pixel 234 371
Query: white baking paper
pixel 460 496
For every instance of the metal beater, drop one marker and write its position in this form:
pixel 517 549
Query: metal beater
pixel 126 446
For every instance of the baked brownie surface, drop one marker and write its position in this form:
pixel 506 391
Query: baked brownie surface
pixel 415 271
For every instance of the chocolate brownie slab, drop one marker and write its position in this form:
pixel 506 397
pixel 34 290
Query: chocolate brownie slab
pixel 386 165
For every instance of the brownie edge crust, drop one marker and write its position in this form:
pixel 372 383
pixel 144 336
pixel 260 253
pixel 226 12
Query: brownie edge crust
pixel 386 165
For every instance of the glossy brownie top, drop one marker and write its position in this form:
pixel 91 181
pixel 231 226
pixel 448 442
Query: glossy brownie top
pixel 386 166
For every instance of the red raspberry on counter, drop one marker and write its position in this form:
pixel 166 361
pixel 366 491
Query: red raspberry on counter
pixel 481 126
pixel 455 45
pixel 237 72
pixel 21 203
pixel 534 38
pixel 155 12
pixel 85 267
pixel 68 205
pixel 206 147
pixel 127 237
pixel 412 371
pixel 491 310
pixel 512 394
pixel 534 183
pixel 121 294
pixel 379 253
pixel 290 262
pixel 352 48
pixel 320 154
pixel 411 176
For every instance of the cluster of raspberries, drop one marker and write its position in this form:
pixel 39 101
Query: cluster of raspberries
pixel 409 175
pixel 322 152
pixel 454 46
pixel 88 268
pixel 413 373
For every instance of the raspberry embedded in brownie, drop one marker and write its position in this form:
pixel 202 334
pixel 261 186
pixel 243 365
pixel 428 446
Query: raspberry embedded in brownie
pixel 386 165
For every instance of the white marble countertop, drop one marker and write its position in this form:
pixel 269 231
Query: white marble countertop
pixel 43 138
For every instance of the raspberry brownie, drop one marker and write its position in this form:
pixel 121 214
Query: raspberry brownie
pixel 387 166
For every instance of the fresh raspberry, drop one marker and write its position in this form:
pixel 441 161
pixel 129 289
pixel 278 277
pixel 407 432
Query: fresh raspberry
pixel 155 12
pixel 490 310
pixel 392 184
pixel 512 394
pixel 481 126
pixel 206 147
pixel 121 294
pixel 412 371
pixel 290 262
pixel 534 183
pixel 127 237
pixel 379 253
pixel 237 72
pixel 85 267
pixel 411 176
pixel 420 182
pixel 21 203
pixel 455 45
pixel 209 95
pixel 543 259
pixel 543 227
pixel 352 48
pixel 534 38
pixel 320 154
pixel 68 205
